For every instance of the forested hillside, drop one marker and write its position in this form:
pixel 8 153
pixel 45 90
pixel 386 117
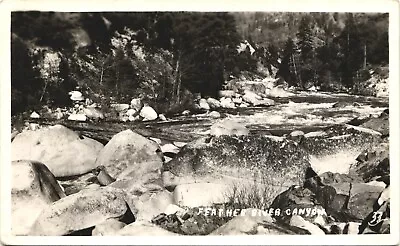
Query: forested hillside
pixel 165 57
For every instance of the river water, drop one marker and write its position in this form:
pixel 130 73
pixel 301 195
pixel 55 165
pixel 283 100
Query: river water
pixel 306 111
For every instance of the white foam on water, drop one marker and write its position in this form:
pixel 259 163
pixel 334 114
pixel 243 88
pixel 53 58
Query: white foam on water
pixel 308 114
pixel 362 129
pixel 364 110
pixel 339 162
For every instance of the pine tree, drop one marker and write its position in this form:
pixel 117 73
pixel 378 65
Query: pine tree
pixel 287 68
pixel 351 50
pixel 305 45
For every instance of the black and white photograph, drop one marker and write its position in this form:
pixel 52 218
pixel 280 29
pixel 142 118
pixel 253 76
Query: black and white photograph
pixel 217 123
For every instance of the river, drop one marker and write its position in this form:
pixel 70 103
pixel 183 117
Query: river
pixel 306 111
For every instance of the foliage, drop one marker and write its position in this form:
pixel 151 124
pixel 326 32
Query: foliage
pixel 257 194
pixel 165 57
pixel 334 51
pixel 25 84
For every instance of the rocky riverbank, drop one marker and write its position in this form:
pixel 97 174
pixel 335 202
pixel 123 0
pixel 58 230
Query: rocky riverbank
pixel 228 182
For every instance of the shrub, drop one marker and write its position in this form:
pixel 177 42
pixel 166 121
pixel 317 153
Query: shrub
pixel 257 194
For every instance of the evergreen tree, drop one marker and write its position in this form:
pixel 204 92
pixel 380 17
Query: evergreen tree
pixel 351 51
pixel 287 68
pixel 305 45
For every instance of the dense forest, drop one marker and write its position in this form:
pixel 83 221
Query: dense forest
pixel 166 57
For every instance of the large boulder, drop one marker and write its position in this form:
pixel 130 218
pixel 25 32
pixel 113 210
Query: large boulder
pixel 300 222
pixel 108 228
pixel 79 211
pixel 214 114
pixel 372 163
pixel 237 100
pixel 62 150
pixel 33 188
pixel 298 201
pixel 143 228
pixel 253 224
pixel 251 97
pixel 93 113
pixel 378 220
pixel 345 201
pixel 379 124
pixel 148 113
pixel 152 203
pixel 362 199
pixel 228 127
pixel 129 154
pixel 136 104
pixel 200 194
pixel 204 104
pixel 250 157
pixel 146 195
pixel 214 103
pixel 226 102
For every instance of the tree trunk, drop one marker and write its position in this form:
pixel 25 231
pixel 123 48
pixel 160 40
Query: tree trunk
pixel 176 87
pixel 101 78
pixel 44 90
pixel 101 75
pixel 295 70
pixel 117 81
pixel 365 56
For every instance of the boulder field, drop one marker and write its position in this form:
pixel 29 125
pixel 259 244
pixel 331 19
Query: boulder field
pixel 259 184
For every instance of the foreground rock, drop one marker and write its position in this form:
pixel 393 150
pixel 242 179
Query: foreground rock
pixel 360 198
pixel 108 227
pixel 143 228
pixel 299 201
pixel 378 221
pixel 151 203
pixel 251 157
pixel 379 124
pixel 335 206
pixel 129 154
pixel 373 164
pixel 200 194
pixel 249 224
pixel 79 211
pixel 62 150
pixel 191 221
pixel 34 188
pixel 300 222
